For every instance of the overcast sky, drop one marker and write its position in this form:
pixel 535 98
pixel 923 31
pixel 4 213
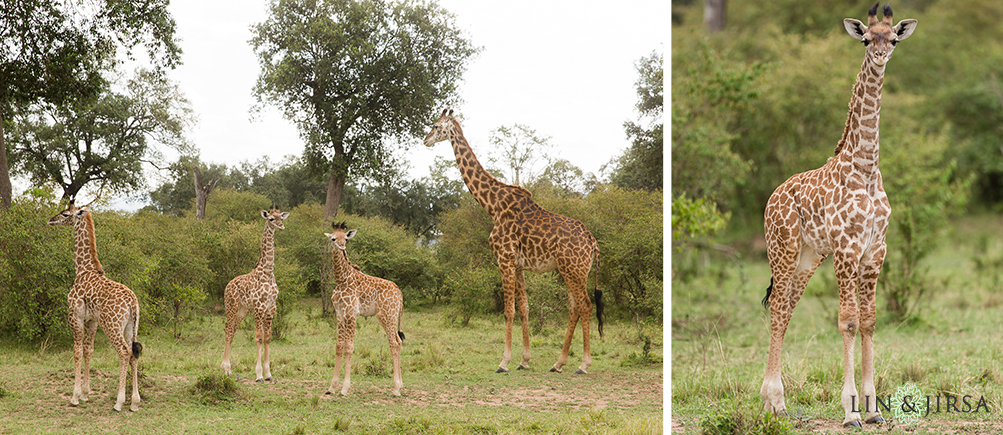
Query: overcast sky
pixel 563 68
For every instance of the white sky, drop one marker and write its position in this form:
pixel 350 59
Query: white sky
pixel 563 68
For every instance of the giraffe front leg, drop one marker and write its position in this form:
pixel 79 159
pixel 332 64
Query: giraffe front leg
pixel 849 323
pixel 522 303
pixel 79 337
pixel 508 288
pixel 868 318
pixel 91 329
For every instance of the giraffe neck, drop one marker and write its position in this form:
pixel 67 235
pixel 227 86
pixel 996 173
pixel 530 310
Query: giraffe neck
pixel 859 145
pixel 266 260
pixel 85 247
pixel 485 188
pixel 342 267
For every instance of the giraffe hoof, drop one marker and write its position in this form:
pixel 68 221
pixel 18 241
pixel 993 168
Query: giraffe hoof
pixel 554 370
pixel 501 370
pixel 854 423
pixel 875 420
pixel 328 393
pixel 259 380
pixel 522 367
pixel 268 379
pixel 580 372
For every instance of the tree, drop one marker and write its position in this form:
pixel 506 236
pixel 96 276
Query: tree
pixel 518 148
pixel 202 191
pixel 354 74
pixel 104 140
pixel 640 166
pixel 714 14
pixel 56 51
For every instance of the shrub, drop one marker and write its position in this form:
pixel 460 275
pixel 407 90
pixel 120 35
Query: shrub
pixel 36 272
pixel 212 388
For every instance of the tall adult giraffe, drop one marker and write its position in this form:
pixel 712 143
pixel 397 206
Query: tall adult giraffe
pixel 96 300
pixel 255 291
pixel 841 210
pixel 527 237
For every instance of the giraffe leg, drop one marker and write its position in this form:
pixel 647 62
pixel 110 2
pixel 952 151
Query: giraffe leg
pixel 573 315
pixel 522 303
pixel 349 346
pixel 134 365
pixel 339 349
pixel 124 355
pixel 77 325
pixel 508 288
pixel 267 334
pixel 846 265
pixel 390 328
pixel 233 318
pixel 585 314
pixel 91 329
pixel 868 317
pixel 262 333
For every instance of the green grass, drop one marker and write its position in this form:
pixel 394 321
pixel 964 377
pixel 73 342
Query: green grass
pixel 449 382
pixel 720 340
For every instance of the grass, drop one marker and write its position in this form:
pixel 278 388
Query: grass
pixel 951 347
pixel 449 382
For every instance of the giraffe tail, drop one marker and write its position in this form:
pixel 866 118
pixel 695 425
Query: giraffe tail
pixel 137 349
pixel 399 332
pixel 598 293
pixel 766 300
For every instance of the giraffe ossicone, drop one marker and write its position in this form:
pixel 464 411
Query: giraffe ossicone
pixel 95 300
pixel 255 292
pixel 359 295
pixel 525 237
pixel 839 209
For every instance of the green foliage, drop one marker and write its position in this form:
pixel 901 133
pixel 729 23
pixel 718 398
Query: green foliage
pixel 474 290
pixel 925 190
pixel 103 140
pixel 351 74
pixel 640 167
pixel 695 218
pixel 214 388
pixel 34 274
pixel 739 419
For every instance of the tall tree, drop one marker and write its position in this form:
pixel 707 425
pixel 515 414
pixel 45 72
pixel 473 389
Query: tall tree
pixel 640 167
pixel 518 149
pixel 353 75
pixel 104 140
pixel 55 51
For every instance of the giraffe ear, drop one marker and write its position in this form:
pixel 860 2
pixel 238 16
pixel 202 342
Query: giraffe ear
pixel 329 236
pixel 82 211
pixel 350 234
pixel 855 28
pixel 264 214
pixel 285 215
pixel 904 28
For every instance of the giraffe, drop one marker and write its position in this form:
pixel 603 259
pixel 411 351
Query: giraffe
pixel 839 209
pixel 527 237
pixel 357 294
pixel 255 291
pixel 96 300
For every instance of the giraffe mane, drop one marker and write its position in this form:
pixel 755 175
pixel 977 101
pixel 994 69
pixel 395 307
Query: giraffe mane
pixel 519 189
pixel 92 240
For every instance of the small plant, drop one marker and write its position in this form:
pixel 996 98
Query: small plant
pixel 743 420
pixel 3 392
pixel 213 388
pixel 645 357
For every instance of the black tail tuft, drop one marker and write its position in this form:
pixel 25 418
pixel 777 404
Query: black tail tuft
pixel 766 300
pixel 137 349
pixel 599 309
pixel 401 335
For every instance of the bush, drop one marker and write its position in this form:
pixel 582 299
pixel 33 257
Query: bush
pixel 36 272
pixel 212 388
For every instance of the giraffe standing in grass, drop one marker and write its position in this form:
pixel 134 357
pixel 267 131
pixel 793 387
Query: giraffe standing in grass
pixel 255 291
pixel 357 294
pixel 527 237
pixel 841 210
pixel 96 300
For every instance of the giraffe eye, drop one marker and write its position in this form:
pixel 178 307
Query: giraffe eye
pixel 895 41
pixel 865 42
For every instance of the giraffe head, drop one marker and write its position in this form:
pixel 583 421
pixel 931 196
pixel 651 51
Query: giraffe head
pixel 879 37
pixel 341 235
pixel 275 217
pixel 442 129
pixel 69 215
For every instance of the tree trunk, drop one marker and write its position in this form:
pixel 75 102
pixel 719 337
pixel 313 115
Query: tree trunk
pixel 202 192
pixel 5 186
pixel 335 187
pixel 713 14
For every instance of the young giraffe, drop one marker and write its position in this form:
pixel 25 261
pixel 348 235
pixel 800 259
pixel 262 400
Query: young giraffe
pixel 841 210
pixel 96 300
pixel 357 294
pixel 527 237
pixel 255 291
